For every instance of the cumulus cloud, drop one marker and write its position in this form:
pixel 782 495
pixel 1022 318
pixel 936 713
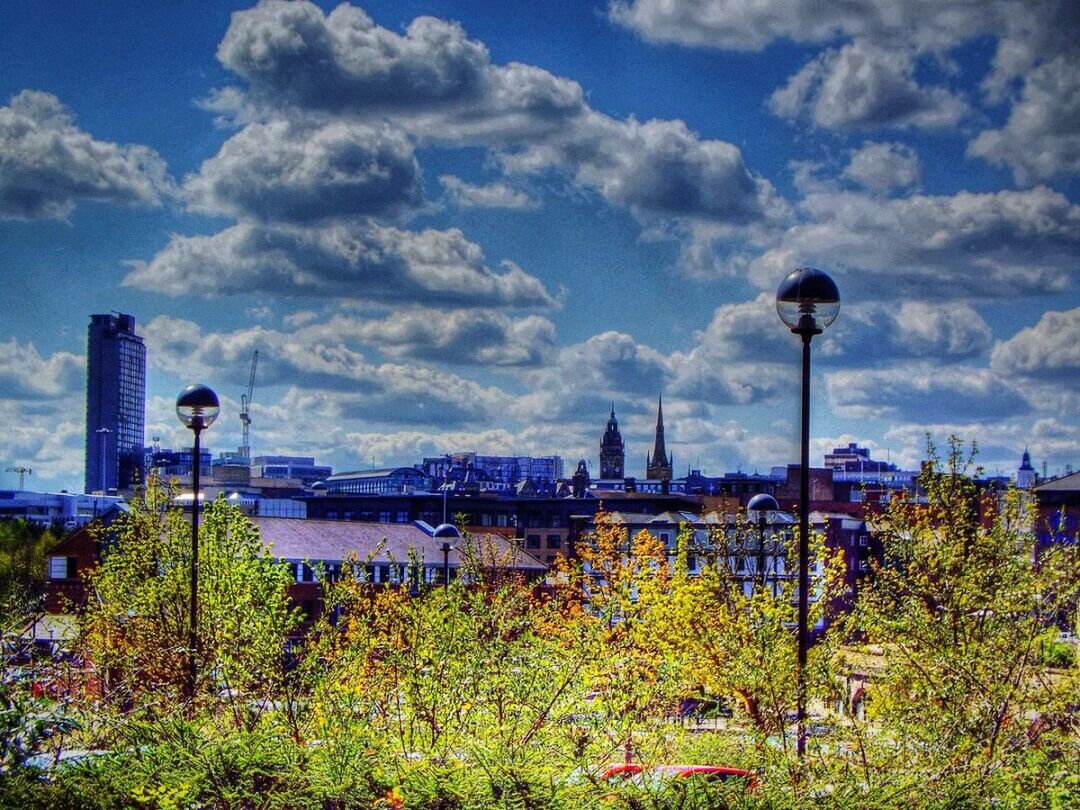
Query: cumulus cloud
pixel 746 353
pixel 752 26
pixel 465 337
pixel 49 164
pixel 1041 139
pixel 26 375
pixel 921 247
pixel 923 391
pixel 361 262
pixel 344 384
pixel 861 86
pixel 655 168
pixel 883 167
pixel 294 55
pixel 1049 350
pixel 283 171
pixel 584 378
pixel 437 84
pixel 493 195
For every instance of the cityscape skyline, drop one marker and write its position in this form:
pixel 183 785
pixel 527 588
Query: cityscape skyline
pixel 522 215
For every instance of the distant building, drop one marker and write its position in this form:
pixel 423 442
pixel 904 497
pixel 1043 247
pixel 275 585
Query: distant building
pixel 296 468
pixel 115 403
pixel 855 459
pixel 612 450
pixel 659 465
pixel 175 463
pixel 387 481
pixel 1025 474
pixel 65 509
pixel 495 473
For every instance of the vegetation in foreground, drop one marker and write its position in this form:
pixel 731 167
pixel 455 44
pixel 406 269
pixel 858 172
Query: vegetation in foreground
pixel 946 687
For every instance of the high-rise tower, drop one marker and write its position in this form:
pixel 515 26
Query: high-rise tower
pixel 612 450
pixel 115 403
pixel 659 465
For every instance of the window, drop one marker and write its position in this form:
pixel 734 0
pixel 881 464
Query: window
pixel 556 521
pixel 532 541
pixel 862 566
pixel 691 562
pixel 554 541
pixel 384 573
pixel 62 567
pixel 863 540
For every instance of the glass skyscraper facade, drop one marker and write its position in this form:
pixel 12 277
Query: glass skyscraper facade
pixel 115 403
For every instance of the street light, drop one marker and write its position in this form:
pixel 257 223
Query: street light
pixel 197 407
pixel 807 301
pixel 762 504
pixel 446 530
pixel 102 432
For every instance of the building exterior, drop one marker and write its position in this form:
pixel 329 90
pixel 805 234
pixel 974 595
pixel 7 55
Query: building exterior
pixel 1025 473
pixel 115 403
pixel 297 468
pixel 65 509
pixel 409 555
pixel 659 465
pixel 612 450
pixel 173 463
pixel 494 473
pixel 386 481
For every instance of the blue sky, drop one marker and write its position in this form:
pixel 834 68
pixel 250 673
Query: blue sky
pixel 470 226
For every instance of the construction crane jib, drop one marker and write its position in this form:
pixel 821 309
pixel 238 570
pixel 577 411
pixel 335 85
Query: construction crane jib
pixel 245 407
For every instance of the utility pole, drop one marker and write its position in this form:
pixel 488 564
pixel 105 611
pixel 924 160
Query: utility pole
pixel 23 472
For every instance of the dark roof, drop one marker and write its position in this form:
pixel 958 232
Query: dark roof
pixel 336 540
pixel 1067 483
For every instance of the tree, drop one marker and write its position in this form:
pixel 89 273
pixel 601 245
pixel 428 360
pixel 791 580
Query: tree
pixel 134 628
pixel 961 706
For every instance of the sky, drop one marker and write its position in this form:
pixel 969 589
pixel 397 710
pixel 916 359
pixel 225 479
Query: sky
pixel 461 225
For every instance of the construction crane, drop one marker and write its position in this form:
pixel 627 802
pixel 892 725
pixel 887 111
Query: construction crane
pixel 245 407
pixel 23 472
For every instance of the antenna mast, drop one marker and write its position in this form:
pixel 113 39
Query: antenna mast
pixel 23 472
pixel 245 408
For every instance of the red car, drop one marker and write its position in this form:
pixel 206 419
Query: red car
pixel 662 773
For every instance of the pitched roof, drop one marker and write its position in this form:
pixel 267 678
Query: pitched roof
pixel 336 540
pixel 1067 483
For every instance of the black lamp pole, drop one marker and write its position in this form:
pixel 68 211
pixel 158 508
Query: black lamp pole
pixel 193 627
pixel 197 407
pixel 808 301
pixel 446 565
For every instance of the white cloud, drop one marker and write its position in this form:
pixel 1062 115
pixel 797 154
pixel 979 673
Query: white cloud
pixel 862 85
pixel 26 375
pixel 884 167
pixel 493 195
pixel 362 262
pixel 1049 350
pixel 752 26
pixel 923 391
pixel 931 247
pixel 341 381
pixel 440 86
pixel 284 171
pixel 467 337
pixel 1041 139
pixel 49 164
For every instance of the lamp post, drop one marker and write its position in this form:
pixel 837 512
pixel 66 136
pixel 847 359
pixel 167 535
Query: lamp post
pixel 102 433
pixel 197 407
pixel 762 504
pixel 445 565
pixel 807 301
pixel 446 532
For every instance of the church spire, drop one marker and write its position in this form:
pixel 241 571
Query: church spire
pixel 659 464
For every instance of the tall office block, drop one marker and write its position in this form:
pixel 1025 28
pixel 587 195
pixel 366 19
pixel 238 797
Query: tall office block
pixel 115 403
